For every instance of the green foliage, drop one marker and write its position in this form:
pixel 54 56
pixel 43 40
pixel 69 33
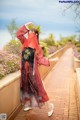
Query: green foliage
pixel 57 43
pixel 44 48
pixel 8 63
pixel 78 45
pixel 63 41
pixel 12 28
pixel 13 47
pixel 10 58
pixel 39 29
pixel 72 39
pixel 78 49
pixel 50 40
pixel 32 26
pixel 2 71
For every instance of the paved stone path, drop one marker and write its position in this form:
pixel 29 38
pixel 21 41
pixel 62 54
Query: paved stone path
pixel 60 86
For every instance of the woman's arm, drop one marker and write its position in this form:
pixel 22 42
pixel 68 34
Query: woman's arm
pixel 20 34
pixel 22 31
pixel 41 59
pixel 54 59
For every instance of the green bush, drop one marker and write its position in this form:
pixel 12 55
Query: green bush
pixel 13 47
pixel 78 50
pixel 49 40
pixel 78 45
pixel 44 48
pixel 2 71
pixel 8 63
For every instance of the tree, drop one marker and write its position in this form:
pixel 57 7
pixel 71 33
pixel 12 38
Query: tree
pixel 12 28
pixel 76 9
pixel 50 40
pixel 63 40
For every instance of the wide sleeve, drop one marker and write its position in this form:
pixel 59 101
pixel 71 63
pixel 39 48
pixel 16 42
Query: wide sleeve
pixel 20 34
pixel 41 59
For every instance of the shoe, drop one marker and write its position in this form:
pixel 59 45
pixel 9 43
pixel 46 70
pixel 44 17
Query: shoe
pixel 27 108
pixel 51 107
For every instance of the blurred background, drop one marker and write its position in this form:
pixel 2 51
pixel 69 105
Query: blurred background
pixel 52 16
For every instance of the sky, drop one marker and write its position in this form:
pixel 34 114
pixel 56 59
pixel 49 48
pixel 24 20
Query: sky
pixel 46 13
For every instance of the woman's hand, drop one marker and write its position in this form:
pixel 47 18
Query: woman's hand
pixel 27 24
pixel 54 59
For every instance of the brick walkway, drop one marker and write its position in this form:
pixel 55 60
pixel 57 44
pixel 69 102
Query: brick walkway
pixel 60 86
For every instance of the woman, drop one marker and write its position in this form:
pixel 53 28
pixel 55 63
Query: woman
pixel 32 89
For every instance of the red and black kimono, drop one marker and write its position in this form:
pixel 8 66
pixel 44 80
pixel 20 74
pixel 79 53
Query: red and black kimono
pixel 31 83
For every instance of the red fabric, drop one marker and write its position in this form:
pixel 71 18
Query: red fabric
pixel 20 34
pixel 26 70
pixel 30 82
pixel 31 41
pixel 41 59
pixel 41 89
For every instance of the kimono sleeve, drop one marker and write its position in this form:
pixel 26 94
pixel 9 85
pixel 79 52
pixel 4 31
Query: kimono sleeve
pixel 41 59
pixel 20 34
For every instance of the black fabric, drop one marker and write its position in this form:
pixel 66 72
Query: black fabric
pixel 28 55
